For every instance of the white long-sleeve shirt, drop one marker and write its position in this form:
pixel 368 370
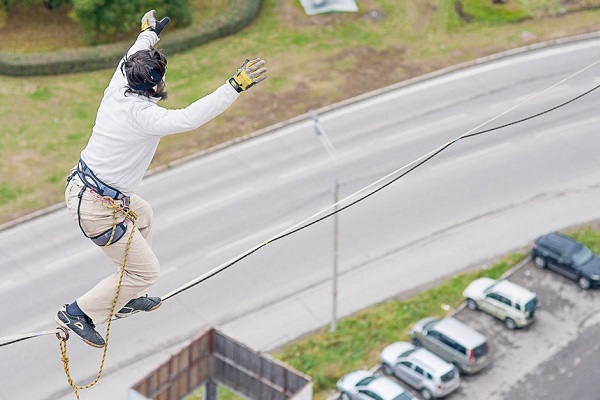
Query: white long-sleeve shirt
pixel 128 128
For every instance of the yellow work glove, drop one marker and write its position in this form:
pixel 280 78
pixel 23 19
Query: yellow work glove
pixel 252 72
pixel 149 22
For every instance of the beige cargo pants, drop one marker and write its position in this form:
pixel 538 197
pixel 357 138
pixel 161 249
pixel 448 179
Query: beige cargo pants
pixel 142 268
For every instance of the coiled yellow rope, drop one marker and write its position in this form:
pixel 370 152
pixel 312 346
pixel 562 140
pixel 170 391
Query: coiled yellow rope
pixel 117 210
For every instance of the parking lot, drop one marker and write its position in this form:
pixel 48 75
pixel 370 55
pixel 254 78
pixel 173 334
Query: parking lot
pixel 556 357
pixel 550 358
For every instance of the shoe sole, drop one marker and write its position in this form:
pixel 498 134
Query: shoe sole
pixel 121 316
pixel 61 323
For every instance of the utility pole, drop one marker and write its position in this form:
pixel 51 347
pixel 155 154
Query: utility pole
pixel 326 142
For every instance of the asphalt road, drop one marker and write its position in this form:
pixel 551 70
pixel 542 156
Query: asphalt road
pixel 481 198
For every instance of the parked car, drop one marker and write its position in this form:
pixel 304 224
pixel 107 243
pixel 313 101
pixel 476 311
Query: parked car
pixel 505 300
pixel 453 341
pixel 433 377
pixel 568 257
pixel 363 385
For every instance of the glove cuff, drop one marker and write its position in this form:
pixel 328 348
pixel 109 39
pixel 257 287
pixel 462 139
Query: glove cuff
pixel 235 85
pixel 160 25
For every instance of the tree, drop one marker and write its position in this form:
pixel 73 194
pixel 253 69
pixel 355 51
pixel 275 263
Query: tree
pixel 103 20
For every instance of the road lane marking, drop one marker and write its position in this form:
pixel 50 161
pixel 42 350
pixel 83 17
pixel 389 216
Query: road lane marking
pixel 6 284
pixel 471 155
pixel 526 97
pixel 426 128
pixel 186 212
pixel 565 128
pixel 70 259
pixel 324 163
pixel 257 235
pixel 167 271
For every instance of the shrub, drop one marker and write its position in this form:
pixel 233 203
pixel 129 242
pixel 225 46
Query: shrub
pixel 239 14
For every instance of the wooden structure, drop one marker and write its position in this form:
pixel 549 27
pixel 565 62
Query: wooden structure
pixel 214 359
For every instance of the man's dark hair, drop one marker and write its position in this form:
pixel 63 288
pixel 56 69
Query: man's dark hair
pixel 145 70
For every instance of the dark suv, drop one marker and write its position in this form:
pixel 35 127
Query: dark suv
pixel 568 257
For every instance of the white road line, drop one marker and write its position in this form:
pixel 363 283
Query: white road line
pixel 305 169
pixel 167 271
pixel 426 128
pixel 518 100
pixel 566 128
pixel 470 156
pixel 203 206
pixel 72 258
pixel 258 235
pixel 6 284
pixel 323 163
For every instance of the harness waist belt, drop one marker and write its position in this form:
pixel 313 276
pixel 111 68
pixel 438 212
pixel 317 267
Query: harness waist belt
pixel 90 180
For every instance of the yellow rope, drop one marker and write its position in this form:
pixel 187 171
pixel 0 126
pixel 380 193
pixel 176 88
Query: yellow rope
pixel 63 339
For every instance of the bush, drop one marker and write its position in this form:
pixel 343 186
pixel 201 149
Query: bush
pixel 239 14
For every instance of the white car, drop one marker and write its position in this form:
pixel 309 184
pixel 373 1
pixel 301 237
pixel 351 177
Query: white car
pixel 363 385
pixel 505 300
pixel 432 376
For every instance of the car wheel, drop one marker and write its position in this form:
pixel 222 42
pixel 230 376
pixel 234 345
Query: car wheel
pixel 510 323
pixel 584 283
pixel 426 394
pixel 539 262
pixel 345 396
pixel 471 304
pixel 386 369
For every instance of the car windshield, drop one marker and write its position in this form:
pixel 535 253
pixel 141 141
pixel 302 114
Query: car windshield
pixel 365 381
pixel 582 256
pixel 531 305
pixel 449 376
pixel 403 396
pixel 480 351
pixel 408 352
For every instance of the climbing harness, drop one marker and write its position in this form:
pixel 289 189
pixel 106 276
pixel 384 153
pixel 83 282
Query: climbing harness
pixel 89 181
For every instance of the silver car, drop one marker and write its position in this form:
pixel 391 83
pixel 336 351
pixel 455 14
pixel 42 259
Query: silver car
pixel 363 385
pixel 505 300
pixel 432 376
pixel 453 341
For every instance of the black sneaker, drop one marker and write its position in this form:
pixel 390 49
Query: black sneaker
pixel 81 325
pixel 144 303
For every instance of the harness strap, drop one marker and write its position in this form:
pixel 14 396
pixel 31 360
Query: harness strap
pixel 90 181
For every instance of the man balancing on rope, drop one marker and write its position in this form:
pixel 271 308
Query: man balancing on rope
pixel 100 191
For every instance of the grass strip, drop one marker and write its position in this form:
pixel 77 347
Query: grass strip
pixel 359 339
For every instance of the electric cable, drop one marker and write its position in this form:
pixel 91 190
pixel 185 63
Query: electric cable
pixel 415 164
pixel 326 213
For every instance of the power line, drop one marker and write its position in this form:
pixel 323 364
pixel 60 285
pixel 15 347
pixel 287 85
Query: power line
pixel 307 222
pixel 326 213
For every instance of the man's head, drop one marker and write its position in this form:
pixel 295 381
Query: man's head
pixel 145 71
